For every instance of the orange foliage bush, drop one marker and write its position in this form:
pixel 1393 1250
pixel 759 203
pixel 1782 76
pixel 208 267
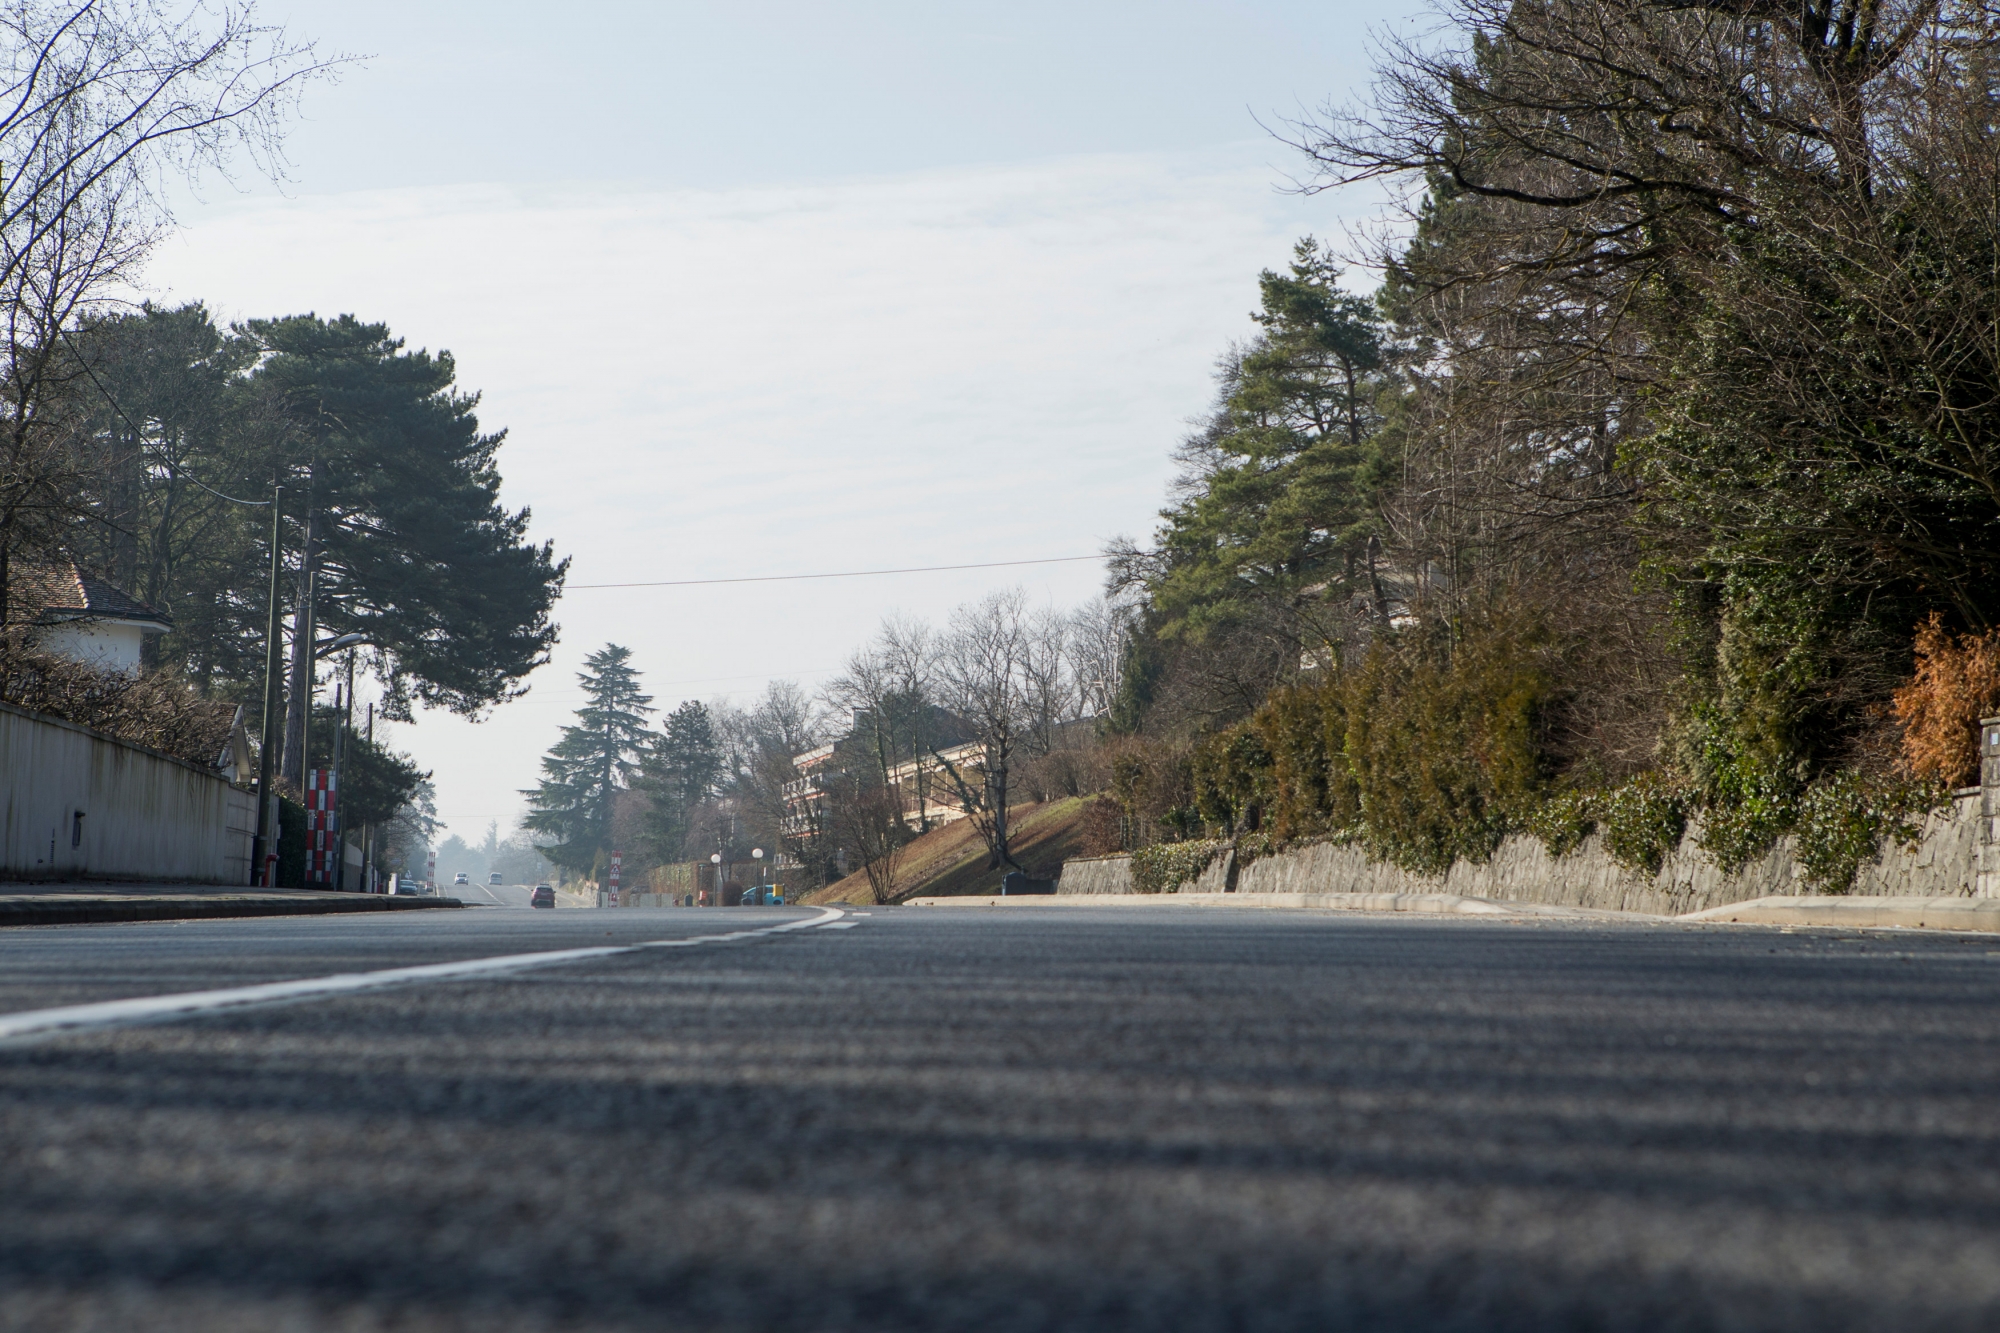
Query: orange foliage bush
pixel 1957 682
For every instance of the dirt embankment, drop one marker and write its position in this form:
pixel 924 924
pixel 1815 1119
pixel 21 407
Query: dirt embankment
pixel 952 859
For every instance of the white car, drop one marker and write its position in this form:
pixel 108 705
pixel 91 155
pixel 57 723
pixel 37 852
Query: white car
pixel 460 878
pixel 494 878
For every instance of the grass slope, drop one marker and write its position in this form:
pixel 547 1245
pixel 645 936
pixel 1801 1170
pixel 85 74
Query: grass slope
pixel 951 860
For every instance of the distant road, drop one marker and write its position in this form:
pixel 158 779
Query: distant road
pixel 1024 1118
pixel 490 895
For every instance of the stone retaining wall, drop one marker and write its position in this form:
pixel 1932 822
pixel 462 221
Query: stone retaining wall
pixel 1943 863
pixel 1096 874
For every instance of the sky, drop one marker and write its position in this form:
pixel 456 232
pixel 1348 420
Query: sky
pixel 790 288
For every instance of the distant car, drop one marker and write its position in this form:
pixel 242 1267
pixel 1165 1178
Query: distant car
pixel 460 878
pixel 494 878
pixel 543 896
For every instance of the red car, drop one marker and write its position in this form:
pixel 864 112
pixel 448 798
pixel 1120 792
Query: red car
pixel 543 896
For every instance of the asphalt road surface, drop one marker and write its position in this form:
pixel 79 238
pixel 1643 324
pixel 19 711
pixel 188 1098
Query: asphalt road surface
pixel 1023 1118
pixel 482 894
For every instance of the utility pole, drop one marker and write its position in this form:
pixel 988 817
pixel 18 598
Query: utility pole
pixel 342 739
pixel 368 830
pixel 312 665
pixel 264 847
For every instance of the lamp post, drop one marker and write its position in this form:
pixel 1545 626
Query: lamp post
pixel 715 859
pixel 757 854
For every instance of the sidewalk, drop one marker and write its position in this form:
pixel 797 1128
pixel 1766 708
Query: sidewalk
pixel 74 903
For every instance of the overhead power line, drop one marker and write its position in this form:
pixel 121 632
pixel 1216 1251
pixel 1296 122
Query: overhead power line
pixel 844 574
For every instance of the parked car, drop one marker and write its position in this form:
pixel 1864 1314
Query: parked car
pixel 494 878
pixel 460 878
pixel 543 896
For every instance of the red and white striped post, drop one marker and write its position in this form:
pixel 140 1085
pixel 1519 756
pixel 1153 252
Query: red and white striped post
pixel 616 860
pixel 322 827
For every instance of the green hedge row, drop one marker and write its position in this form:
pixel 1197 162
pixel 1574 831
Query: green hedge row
pixel 1165 866
pixel 1430 753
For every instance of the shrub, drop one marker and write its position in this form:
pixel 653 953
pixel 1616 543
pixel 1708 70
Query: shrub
pixel 1311 788
pixel 1151 783
pixel 1103 827
pixel 1164 867
pixel 1230 771
pixel 145 708
pixel 1956 683
pixel 1843 820
pixel 1563 821
pixel 291 869
pixel 1642 820
pixel 1746 811
pixel 1427 752
pixel 1445 748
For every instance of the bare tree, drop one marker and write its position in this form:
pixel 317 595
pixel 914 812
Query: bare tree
pixel 106 103
pixel 868 816
pixel 983 675
pixel 1048 687
pixel 863 690
pixel 888 689
pixel 787 719
pixel 1099 632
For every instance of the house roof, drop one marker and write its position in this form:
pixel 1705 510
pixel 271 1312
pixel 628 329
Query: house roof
pixel 48 594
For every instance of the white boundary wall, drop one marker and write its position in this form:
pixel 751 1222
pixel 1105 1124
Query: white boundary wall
pixel 146 815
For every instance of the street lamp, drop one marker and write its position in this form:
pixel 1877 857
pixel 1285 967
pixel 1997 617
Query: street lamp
pixel 335 645
pixel 715 859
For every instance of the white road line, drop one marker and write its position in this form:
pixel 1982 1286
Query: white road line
pixel 41 1023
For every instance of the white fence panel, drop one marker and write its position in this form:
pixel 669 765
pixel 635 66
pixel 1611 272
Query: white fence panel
pixel 75 804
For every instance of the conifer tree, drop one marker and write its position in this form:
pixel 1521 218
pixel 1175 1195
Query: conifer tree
pixel 594 760
pixel 1281 486
pixel 681 769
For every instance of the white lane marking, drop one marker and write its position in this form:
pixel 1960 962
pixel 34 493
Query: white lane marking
pixel 163 1008
pixel 842 925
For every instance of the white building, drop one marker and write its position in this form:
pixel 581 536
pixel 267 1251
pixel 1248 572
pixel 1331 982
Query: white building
pixel 82 617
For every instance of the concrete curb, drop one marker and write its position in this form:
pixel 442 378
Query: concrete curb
pixel 1974 914
pixel 1431 903
pixel 1981 914
pixel 67 909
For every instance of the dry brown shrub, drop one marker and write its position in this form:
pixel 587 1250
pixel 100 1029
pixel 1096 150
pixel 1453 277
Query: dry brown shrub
pixel 1103 827
pixel 1957 682
pixel 147 708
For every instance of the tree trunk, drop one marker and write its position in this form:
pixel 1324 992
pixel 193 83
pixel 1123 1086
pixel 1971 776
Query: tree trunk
pixel 996 792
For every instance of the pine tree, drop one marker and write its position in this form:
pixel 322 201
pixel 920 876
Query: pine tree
pixel 596 758
pixel 680 770
pixel 1280 494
